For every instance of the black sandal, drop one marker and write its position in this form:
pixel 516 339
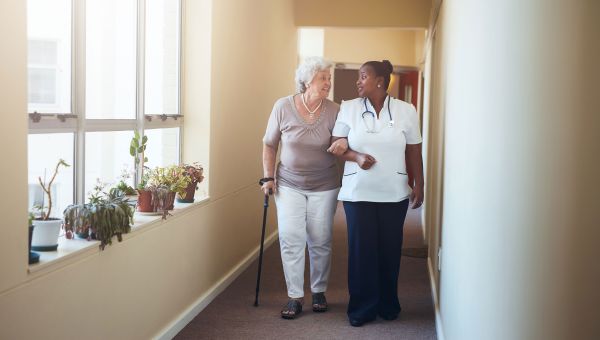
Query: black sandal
pixel 291 309
pixel 319 303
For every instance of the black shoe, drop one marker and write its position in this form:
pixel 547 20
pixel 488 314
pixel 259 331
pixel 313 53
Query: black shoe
pixel 389 316
pixel 358 322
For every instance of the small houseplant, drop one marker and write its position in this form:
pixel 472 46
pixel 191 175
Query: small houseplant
pixel 195 172
pixel 165 183
pixel 106 215
pixel 144 201
pixel 137 149
pixel 124 189
pixel 123 185
pixel 47 228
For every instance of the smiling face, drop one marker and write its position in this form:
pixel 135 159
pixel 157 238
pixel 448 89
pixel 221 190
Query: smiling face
pixel 320 85
pixel 367 81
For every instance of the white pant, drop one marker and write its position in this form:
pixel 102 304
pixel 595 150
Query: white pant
pixel 305 217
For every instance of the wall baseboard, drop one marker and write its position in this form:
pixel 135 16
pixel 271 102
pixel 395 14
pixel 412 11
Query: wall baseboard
pixel 436 302
pixel 191 312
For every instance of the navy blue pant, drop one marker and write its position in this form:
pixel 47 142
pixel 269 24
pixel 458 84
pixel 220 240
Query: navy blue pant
pixel 374 249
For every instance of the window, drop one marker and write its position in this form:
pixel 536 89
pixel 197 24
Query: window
pixel 42 160
pixel 49 56
pixel 110 59
pixel 162 58
pixel 97 71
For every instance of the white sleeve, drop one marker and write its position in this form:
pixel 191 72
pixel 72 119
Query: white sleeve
pixel 342 124
pixel 413 131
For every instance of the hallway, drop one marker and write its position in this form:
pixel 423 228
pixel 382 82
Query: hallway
pixel 232 315
pixel 508 103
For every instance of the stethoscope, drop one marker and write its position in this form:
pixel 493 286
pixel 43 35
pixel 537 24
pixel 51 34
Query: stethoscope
pixel 372 114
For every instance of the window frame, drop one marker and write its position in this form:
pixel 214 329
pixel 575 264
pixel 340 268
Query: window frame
pixel 76 123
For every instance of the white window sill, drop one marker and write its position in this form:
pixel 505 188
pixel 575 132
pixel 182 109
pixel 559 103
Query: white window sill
pixel 70 251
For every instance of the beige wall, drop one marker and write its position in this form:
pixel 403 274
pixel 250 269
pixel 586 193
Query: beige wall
pixel 356 45
pixel 254 59
pixel 519 159
pixel 433 145
pixel 420 37
pixel 13 138
pixel 358 13
pixel 134 289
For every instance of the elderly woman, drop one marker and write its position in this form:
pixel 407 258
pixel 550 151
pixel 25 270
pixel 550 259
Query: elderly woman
pixel 385 146
pixel 305 182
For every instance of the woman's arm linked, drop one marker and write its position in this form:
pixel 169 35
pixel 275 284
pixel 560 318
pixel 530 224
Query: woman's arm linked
pixel 365 161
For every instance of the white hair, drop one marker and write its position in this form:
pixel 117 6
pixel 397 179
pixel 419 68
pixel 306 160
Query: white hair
pixel 307 70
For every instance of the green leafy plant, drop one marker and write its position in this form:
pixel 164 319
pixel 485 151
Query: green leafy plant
pixel 123 187
pixel 165 183
pixel 30 218
pixel 195 171
pixel 173 178
pixel 137 148
pixel 43 209
pixel 106 215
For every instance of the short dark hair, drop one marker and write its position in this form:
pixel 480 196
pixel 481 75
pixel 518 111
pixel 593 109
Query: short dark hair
pixel 382 69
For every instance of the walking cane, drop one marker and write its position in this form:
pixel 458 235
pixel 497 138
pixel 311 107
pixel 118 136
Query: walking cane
pixel 262 239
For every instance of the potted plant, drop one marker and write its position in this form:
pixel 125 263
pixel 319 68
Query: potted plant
pixel 124 189
pixel 33 256
pixel 47 228
pixel 137 148
pixel 165 183
pixel 105 216
pixel 195 172
pixel 144 201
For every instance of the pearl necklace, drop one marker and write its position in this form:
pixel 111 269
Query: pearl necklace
pixel 311 113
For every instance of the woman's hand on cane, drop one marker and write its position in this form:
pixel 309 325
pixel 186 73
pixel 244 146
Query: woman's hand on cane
pixel 269 188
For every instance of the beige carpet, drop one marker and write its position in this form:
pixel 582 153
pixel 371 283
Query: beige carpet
pixel 232 314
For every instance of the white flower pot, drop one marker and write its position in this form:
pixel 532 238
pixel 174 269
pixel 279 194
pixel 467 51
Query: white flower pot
pixel 45 235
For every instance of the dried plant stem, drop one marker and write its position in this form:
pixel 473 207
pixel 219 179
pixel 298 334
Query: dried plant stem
pixel 47 188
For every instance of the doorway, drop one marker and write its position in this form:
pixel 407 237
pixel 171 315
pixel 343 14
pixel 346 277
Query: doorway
pixel 404 83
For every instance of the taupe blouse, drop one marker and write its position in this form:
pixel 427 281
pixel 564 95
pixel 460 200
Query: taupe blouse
pixel 304 162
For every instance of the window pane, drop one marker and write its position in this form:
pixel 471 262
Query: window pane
pixel 106 158
pixel 162 57
pixel 111 59
pixel 42 87
pixel 163 147
pixel 44 151
pixel 49 56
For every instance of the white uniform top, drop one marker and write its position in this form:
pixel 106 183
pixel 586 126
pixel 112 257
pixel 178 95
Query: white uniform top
pixel 387 179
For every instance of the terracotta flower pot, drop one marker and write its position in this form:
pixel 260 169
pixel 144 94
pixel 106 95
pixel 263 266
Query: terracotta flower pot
pixel 144 201
pixel 190 191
